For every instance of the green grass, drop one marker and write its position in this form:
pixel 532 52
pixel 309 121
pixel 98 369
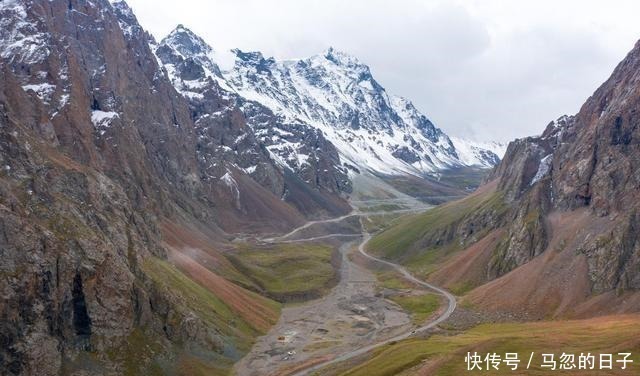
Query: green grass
pixel 427 261
pixel 464 178
pixel 194 298
pixel 138 354
pixel 146 352
pixel 194 366
pixel 393 281
pixel 421 307
pixel 462 288
pixel 288 270
pixel 446 353
pixel 375 223
pixel 404 239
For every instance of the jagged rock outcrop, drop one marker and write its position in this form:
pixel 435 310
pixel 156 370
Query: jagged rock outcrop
pixel 248 136
pixel 96 148
pixel 588 160
pixel 332 96
pixel 564 240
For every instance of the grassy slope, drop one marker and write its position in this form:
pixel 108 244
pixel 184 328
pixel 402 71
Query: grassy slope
pixel 464 177
pixel 375 223
pixel 201 301
pixel 401 241
pixel 421 307
pixel 192 297
pixel 444 355
pixel 288 271
pixel 147 355
pixel 393 281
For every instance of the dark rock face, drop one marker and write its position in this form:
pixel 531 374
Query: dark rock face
pixel 603 174
pixel 614 257
pixel 77 196
pixel 581 174
pixel 249 135
pixel 587 160
pixel 97 147
pixel 81 319
pixel 321 168
pixel 406 155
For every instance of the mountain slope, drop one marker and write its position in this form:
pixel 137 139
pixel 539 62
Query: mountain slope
pixel 555 232
pixel 119 191
pixel 249 137
pixel 484 154
pixel 336 96
pixel 99 157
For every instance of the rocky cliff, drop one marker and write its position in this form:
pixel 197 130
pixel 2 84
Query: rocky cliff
pixel 293 161
pixel 558 217
pixel 97 150
pixel 588 161
pixel 332 96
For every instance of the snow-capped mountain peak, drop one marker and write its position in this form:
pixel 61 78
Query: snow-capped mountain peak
pixel 189 60
pixel 479 153
pixel 334 93
pixel 342 58
pixel 187 42
pixel 252 57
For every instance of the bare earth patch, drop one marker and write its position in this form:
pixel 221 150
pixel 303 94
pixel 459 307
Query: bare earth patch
pixel 351 316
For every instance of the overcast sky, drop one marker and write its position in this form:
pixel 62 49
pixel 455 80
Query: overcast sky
pixel 483 69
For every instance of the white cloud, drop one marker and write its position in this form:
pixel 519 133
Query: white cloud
pixel 487 68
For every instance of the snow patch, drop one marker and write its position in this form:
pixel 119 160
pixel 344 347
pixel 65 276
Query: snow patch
pixel 64 99
pixel 251 169
pixel 332 93
pixel 474 153
pixel 230 182
pixel 366 84
pixel 103 119
pixel 543 169
pixel 43 91
pixel 20 39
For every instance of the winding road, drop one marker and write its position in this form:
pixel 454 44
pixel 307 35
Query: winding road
pixel 354 213
pixel 451 306
pixel 366 237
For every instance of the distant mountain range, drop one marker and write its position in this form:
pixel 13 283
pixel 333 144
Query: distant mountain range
pixel 333 93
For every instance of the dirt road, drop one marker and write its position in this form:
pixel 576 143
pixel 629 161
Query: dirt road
pixel 350 316
pixel 451 306
pixel 354 213
pixel 348 322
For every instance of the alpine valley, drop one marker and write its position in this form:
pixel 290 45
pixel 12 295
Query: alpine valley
pixel 165 213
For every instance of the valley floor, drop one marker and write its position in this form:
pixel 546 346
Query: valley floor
pixel 349 317
pixel 381 320
pixel 355 317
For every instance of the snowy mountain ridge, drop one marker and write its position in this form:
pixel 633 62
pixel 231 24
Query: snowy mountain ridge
pixel 479 153
pixel 333 93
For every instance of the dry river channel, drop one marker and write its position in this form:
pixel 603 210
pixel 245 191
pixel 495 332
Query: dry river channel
pixel 351 320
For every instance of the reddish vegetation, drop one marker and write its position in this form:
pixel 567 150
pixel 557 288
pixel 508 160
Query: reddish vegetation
pixel 468 266
pixel 300 366
pixel 205 248
pixel 191 251
pixel 248 305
